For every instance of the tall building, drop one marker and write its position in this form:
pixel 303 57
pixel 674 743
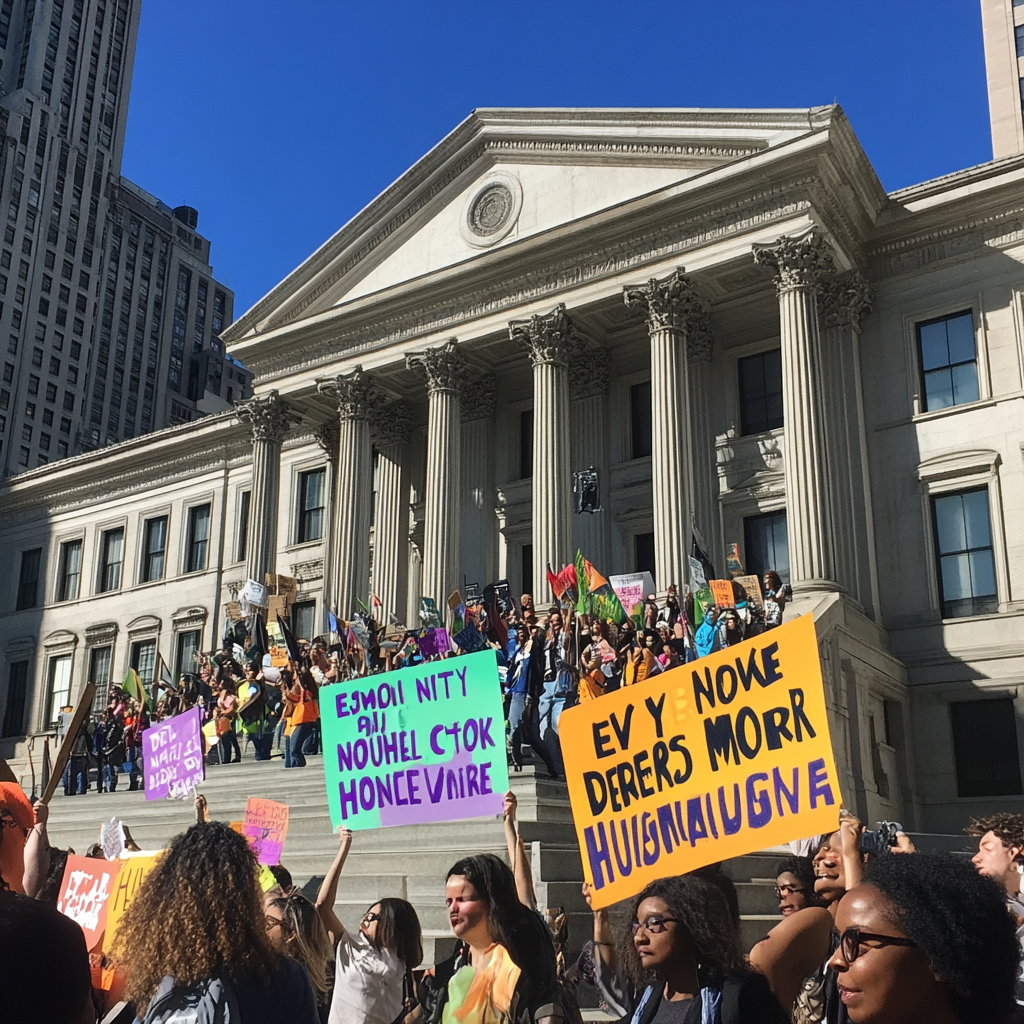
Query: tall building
pixel 1002 23
pixel 109 313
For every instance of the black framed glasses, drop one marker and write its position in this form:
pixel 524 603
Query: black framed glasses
pixel 655 925
pixel 786 890
pixel 369 917
pixel 851 941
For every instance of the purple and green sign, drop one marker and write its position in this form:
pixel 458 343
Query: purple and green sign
pixel 422 744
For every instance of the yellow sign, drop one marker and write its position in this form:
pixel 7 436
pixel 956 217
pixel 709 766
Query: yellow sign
pixel 725 756
pixel 134 868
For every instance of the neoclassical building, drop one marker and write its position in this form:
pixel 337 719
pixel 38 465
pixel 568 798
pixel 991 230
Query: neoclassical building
pixel 722 313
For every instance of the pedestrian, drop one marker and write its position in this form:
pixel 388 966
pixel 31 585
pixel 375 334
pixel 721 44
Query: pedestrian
pixel 303 696
pixel 775 596
pixel 706 638
pixel 730 628
pixel 224 714
pixel 295 929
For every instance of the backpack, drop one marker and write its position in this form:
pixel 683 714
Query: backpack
pixel 212 1001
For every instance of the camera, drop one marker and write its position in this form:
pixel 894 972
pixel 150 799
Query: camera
pixel 882 839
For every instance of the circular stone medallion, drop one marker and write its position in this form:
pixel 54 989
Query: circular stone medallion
pixel 492 210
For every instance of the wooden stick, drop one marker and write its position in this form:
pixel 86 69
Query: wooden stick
pixel 64 754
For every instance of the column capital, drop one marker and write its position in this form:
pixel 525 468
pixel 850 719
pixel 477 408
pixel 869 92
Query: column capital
pixel 327 435
pixel 845 300
pixel 443 367
pixel 550 338
pixel 353 392
pixel 391 425
pixel 269 416
pixel 479 396
pixel 670 303
pixel 588 374
pixel 801 262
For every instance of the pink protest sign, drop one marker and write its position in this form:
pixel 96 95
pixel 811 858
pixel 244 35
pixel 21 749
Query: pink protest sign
pixel 84 893
pixel 172 756
pixel 265 826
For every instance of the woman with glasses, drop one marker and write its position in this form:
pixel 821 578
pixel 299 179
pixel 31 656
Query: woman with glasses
pixel 924 939
pixel 373 968
pixel 294 929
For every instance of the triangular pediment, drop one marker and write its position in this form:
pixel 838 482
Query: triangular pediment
pixel 505 176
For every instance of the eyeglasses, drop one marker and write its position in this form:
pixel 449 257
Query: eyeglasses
pixel 852 939
pixel 653 925
pixel 369 918
pixel 786 890
pixel 273 922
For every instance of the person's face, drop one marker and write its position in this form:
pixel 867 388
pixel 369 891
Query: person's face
pixel 830 880
pixel 731 620
pixel 657 948
pixel 555 621
pixel 370 922
pixel 792 894
pixel 995 859
pixel 885 984
pixel 275 928
pixel 467 912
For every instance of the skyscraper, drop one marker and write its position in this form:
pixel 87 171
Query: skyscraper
pixel 1002 24
pixel 109 313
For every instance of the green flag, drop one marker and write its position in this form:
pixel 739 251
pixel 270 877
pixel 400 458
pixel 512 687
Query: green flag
pixel 132 686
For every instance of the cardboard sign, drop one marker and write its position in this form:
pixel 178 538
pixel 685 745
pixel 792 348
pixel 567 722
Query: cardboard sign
pixel 85 892
pixel 134 869
pixel 265 826
pixel 434 642
pixel 112 838
pixel 424 743
pixel 172 756
pixel 751 590
pixel 60 762
pixel 631 588
pixel 697 577
pixel 722 593
pixel 254 593
pixel 722 757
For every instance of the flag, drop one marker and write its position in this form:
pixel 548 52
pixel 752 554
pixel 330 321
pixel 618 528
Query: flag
pixel 259 645
pixel 564 584
pixel 697 552
pixel 332 623
pixel 132 686
pixel 162 678
pixel 588 581
pixel 608 606
pixel 289 640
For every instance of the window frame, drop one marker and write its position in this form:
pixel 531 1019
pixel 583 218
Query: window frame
pixel 922 383
pixel 189 540
pixel 144 553
pixel 301 512
pixel 761 353
pixel 243 517
pixel 19 604
pixel 6 722
pixel 101 558
pixel 940 554
pixel 60 591
pixel 983 697
pixel 52 658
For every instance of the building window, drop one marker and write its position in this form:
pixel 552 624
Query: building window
pixel 17 695
pixel 58 687
pixel 304 619
pixel 100 659
pixel 527 568
pixel 143 660
pixel 985 747
pixel 760 383
pixel 185 651
pixel 949 361
pixel 641 434
pixel 766 544
pixel 154 548
pixel 963 541
pixel 242 541
pixel 526 444
pixel 1018 32
pixel 198 538
pixel 28 579
pixel 69 570
pixel 111 555
pixel 643 553
pixel 311 505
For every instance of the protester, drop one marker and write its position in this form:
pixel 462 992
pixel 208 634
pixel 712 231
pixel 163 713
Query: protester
pixel 224 715
pixel 373 969
pixel 517 682
pixel 558 683
pixel 706 639
pixel 16 821
pixel 775 595
pixel 303 698
pixel 924 939
pixel 731 629
pixel 295 929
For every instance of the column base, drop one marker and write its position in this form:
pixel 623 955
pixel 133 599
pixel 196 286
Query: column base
pixel 819 586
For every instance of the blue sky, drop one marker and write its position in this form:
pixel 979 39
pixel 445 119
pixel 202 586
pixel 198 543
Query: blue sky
pixel 280 119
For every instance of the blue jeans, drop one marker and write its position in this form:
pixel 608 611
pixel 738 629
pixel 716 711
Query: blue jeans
pixel 228 741
pixel 312 744
pixel 109 776
pixel 293 756
pixel 516 708
pixel 552 701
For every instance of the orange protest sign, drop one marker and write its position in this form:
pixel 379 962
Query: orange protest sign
pixel 722 593
pixel 265 827
pixel 725 756
pixel 134 868
pixel 85 893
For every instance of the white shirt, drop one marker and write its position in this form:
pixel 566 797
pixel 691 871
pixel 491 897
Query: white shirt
pixel 367 983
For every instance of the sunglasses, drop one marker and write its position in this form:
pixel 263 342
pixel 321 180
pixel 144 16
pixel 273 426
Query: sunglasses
pixel 786 890
pixel 653 925
pixel 369 918
pixel 852 939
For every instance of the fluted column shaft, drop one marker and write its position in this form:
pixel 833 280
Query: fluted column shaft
pixel 702 443
pixel 476 525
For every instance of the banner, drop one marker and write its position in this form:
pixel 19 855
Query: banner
pixel 84 893
pixel 265 826
pixel 725 756
pixel 172 756
pixel 424 743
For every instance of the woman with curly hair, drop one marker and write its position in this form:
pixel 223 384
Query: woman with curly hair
pixel 195 935
pixel 295 929
pixel 682 953
pixel 924 939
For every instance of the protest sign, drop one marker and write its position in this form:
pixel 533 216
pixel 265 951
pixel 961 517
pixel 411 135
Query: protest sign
pixel 732 560
pixel 701 602
pixel 60 762
pixel 85 892
pixel 172 756
pixel 112 839
pixel 469 640
pixel 424 743
pixel 631 588
pixel 723 593
pixel 254 593
pixel 697 577
pixel 751 591
pixel 429 614
pixel 134 868
pixel 716 759
pixel 434 642
pixel 265 826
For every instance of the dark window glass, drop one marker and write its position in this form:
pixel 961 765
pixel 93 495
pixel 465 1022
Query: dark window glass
pixel 111 555
pixel 527 569
pixel 304 620
pixel 185 652
pixel 643 552
pixel 100 659
pixel 154 549
pixel 198 538
pixel 1018 33
pixel 949 368
pixel 243 525
pixel 17 694
pixel 641 432
pixel 526 444
pixel 28 579
pixel 766 544
pixel 760 384
pixel 963 539
pixel 311 505
pixel 143 660
pixel 985 747
pixel 69 570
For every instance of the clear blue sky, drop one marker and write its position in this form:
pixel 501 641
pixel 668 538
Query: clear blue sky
pixel 280 119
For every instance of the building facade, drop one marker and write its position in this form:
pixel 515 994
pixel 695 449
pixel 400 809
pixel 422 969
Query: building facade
pixel 101 338
pixel 722 313
pixel 1002 23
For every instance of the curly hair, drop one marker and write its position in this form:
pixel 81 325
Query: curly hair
pixel 958 919
pixel 703 913
pixel 197 914
pixel 1009 828
pixel 801 867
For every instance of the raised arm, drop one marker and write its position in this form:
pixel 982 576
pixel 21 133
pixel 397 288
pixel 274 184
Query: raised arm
pixel 604 943
pixel 37 853
pixel 329 888
pixel 517 855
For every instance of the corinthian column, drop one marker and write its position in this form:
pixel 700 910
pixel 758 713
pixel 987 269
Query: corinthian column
pixel 704 479
pixel 354 395
pixel 327 435
pixel 800 264
pixel 674 310
pixel 444 369
pixel 477 511
pixel 269 417
pixel 588 387
pixel 551 343
pixel 391 428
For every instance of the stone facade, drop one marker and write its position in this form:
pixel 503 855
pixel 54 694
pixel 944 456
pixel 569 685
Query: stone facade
pixel 719 311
